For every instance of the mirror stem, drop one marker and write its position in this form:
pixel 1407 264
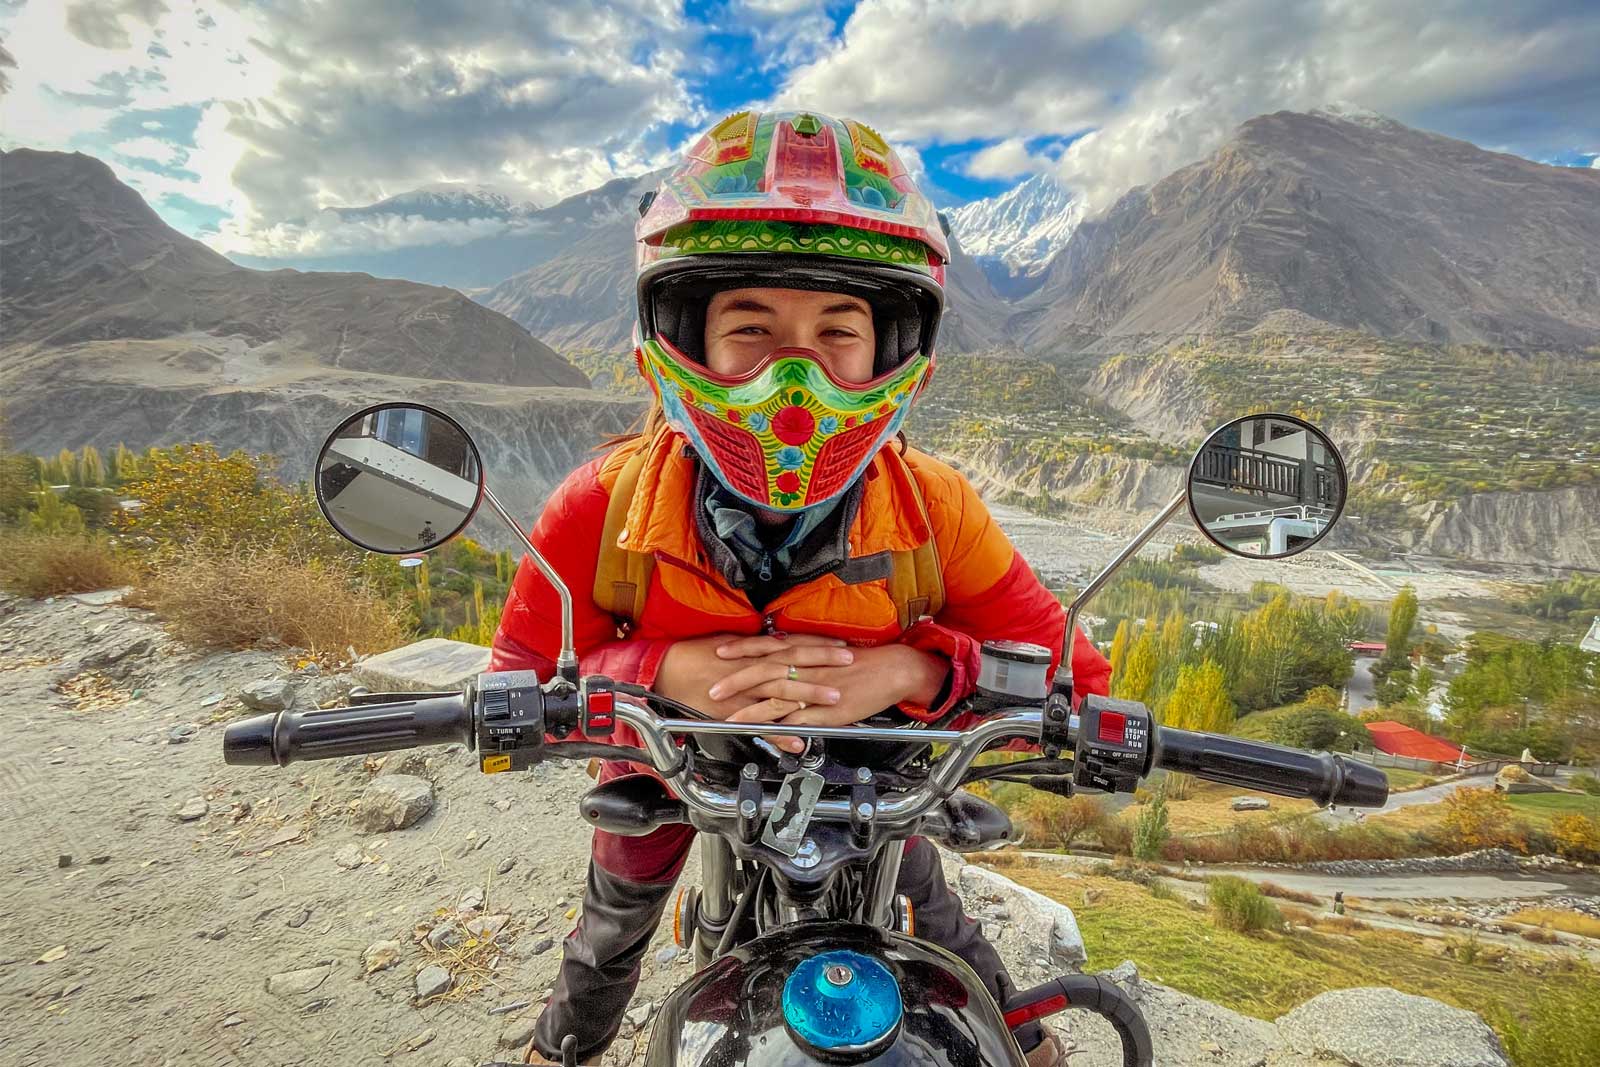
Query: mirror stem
pixel 1062 682
pixel 567 661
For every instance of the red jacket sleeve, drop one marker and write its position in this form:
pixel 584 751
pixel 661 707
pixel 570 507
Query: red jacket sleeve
pixel 990 593
pixel 568 536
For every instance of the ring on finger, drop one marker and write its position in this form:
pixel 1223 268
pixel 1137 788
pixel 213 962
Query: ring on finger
pixel 794 673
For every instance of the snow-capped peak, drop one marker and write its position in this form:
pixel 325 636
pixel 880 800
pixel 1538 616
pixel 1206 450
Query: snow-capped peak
pixel 1023 227
pixel 447 200
pixel 1354 113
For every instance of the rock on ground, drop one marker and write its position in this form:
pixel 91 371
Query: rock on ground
pixel 431 981
pixel 1381 1027
pixel 293 983
pixel 434 665
pixel 393 802
pixel 269 694
pixel 1037 917
pixel 1250 804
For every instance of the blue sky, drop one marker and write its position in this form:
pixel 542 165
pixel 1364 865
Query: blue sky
pixel 241 120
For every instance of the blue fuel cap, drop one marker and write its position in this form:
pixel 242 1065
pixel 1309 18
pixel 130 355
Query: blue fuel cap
pixel 841 1000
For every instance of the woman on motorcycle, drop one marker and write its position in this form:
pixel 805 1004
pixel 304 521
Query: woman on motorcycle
pixel 782 556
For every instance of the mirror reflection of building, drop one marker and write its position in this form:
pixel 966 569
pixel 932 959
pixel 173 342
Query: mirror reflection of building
pixel 1266 485
pixel 420 433
pixel 399 479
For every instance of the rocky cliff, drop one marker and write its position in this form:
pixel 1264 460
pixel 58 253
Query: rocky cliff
pixel 1107 483
pixel 1560 527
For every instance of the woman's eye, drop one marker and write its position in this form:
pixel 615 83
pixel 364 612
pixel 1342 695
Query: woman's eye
pixel 751 330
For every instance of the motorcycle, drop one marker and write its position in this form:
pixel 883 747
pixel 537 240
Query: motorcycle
pixel 804 952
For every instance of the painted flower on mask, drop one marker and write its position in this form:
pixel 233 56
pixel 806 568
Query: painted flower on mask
pixel 790 458
pixel 793 425
pixel 756 421
pixel 788 482
pixel 827 424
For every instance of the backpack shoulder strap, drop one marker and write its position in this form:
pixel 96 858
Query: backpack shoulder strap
pixel 916 578
pixel 622 578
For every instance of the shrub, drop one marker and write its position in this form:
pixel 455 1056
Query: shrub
pixel 1577 836
pixel 192 497
pixel 41 565
pixel 266 596
pixel 1116 835
pixel 1238 904
pixel 1540 936
pixel 1587 782
pixel 1477 818
pixel 1060 820
pixel 1150 830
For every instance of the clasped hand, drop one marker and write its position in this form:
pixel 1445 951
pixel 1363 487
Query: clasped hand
pixel 749 679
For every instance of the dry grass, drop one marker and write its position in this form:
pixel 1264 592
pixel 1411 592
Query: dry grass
pixel 1208 808
pixel 269 598
pixel 1283 892
pixel 1570 922
pixel 41 565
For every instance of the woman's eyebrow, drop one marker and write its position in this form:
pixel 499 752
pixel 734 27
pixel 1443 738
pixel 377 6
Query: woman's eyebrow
pixel 848 305
pixel 747 304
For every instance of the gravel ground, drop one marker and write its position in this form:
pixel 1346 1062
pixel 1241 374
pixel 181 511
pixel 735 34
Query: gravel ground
pixel 164 908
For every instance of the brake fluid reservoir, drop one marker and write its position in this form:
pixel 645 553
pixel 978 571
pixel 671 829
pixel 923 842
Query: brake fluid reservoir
pixel 1013 670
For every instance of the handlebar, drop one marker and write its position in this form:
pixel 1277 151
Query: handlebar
pixel 284 737
pixel 1289 772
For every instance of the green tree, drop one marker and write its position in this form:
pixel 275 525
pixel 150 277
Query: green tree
pixel 55 516
pixel 1150 831
pixel 1402 618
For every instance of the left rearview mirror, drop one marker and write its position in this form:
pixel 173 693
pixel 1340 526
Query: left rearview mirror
pixel 399 478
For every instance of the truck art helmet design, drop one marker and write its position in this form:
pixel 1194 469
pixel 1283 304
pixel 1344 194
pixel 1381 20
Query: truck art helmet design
pixel 788 200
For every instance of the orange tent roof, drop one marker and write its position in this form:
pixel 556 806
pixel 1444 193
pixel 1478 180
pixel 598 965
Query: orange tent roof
pixel 1398 739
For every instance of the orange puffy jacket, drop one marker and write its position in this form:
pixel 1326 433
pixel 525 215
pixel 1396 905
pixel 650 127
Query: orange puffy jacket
pixel 990 592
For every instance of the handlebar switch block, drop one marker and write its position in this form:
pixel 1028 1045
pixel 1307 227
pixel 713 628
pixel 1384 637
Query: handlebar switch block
pixel 1055 726
pixel 599 711
pixel 1114 744
pixel 511 720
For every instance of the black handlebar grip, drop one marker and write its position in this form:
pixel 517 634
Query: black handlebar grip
pixel 1288 772
pixel 284 737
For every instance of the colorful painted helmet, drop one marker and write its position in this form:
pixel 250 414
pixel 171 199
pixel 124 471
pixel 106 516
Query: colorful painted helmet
pixel 788 200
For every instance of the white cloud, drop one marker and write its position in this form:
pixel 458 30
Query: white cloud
pixel 157 151
pixel 1164 82
pixel 1007 159
pixel 308 105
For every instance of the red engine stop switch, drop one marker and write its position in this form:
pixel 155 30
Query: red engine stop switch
pixel 1113 727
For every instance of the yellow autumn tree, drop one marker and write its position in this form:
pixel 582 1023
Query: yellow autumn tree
pixel 1119 648
pixel 1199 699
pixel 1139 673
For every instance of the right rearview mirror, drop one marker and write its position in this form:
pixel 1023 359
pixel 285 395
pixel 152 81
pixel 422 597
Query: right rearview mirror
pixel 1267 486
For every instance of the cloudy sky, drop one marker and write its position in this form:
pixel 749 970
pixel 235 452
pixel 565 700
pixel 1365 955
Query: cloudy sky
pixel 240 119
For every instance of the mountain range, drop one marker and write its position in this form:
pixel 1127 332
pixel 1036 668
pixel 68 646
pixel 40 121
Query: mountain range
pixel 120 330
pixel 1015 235
pixel 1333 219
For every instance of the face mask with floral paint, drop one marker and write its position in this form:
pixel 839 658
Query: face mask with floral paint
pixel 787 435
